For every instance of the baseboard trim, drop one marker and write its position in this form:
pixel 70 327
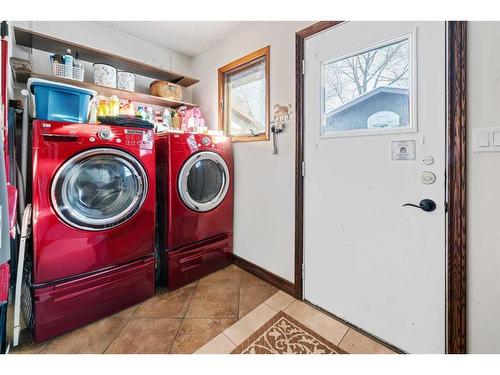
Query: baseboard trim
pixel 265 275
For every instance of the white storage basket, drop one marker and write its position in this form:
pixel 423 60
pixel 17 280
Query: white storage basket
pixel 59 70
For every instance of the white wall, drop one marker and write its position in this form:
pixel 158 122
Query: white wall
pixel 264 224
pixel 483 191
pixel 101 37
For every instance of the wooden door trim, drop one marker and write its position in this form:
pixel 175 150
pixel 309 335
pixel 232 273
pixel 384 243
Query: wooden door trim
pixel 300 38
pixel 457 180
pixel 456 173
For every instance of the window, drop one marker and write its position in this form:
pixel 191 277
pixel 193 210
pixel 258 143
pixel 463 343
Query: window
pixel 368 92
pixel 244 97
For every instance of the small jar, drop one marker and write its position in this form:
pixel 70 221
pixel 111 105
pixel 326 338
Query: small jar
pixel 125 81
pixel 105 75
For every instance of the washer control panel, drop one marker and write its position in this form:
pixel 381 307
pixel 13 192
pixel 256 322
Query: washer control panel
pixel 138 137
pixel 117 135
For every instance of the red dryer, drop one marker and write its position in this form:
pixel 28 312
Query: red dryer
pixel 195 197
pixel 93 223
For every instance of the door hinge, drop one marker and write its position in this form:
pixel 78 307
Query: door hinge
pixel 303 168
pixel 303 272
pixel 303 66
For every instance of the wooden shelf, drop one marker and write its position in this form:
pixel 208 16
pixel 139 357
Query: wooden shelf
pixel 31 39
pixel 21 69
pixel 122 94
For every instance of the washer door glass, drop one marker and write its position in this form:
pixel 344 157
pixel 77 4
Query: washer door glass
pixel 204 181
pixel 99 189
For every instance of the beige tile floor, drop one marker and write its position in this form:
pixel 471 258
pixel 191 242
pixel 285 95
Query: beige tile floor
pixel 170 322
pixel 212 315
pixel 333 330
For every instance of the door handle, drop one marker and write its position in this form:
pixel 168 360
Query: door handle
pixel 426 205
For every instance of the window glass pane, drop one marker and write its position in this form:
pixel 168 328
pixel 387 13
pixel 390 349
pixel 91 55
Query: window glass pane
pixel 245 99
pixel 367 91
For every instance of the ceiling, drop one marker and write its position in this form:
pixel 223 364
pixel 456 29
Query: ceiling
pixel 187 37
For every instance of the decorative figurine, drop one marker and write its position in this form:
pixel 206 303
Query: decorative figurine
pixel 281 116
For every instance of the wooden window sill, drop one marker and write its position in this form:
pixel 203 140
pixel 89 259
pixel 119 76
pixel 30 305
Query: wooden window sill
pixel 249 138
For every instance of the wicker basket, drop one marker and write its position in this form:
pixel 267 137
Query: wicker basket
pixel 166 90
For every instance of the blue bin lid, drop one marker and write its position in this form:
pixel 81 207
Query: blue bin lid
pixel 33 82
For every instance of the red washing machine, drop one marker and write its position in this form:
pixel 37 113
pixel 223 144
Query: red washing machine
pixel 195 186
pixel 93 223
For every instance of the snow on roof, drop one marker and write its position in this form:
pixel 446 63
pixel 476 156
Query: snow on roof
pixel 361 98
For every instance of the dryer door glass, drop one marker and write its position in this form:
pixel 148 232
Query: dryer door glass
pixel 99 189
pixel 204 181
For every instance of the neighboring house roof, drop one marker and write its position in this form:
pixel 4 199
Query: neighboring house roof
pixel 244 117
pixel 362 98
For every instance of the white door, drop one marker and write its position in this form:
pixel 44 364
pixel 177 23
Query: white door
pixel 375 138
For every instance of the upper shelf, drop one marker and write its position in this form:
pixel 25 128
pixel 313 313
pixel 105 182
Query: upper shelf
pixel 122 94
pixel 28 38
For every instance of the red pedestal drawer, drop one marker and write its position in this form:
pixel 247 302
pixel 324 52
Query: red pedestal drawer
pixel 64 306
pixel 4 282
pixel 192 262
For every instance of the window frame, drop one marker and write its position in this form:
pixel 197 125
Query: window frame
pixel 232 67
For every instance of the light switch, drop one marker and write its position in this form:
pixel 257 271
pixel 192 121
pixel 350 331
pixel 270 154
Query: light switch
pixel 496 139
pixel 486 139
pixel 483 138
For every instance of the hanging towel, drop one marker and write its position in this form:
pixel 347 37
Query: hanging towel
pixel 124 120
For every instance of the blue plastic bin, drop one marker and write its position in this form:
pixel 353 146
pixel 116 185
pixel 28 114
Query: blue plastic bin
pixel 60 102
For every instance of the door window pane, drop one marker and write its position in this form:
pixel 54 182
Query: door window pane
pixel 368 91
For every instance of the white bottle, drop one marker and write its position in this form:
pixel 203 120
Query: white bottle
pixel 68 64
pixel 167 118
pixel 93 113
pixel 150 116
